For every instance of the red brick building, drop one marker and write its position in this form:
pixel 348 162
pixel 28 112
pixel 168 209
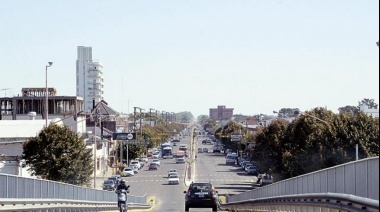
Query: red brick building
pixel 221 112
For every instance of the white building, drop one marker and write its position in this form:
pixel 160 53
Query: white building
pixel 90 82
pixel 369 111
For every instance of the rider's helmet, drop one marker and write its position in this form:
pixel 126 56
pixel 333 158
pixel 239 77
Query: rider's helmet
pixel 122 182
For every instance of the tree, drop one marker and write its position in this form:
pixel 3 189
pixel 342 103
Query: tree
pixel 202 119
pixel 349 109
pixel 287 112
pixel 369 102
pixel 59 154
pixel 185 117
pixel 270 146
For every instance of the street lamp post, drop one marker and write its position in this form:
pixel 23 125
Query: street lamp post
pixel 47 93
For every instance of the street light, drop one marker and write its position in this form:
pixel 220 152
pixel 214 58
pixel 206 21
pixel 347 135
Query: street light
pixel 47 93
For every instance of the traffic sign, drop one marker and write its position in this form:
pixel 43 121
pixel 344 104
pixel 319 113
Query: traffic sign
pixel 137 142
pixel 236 137
pixel 124 136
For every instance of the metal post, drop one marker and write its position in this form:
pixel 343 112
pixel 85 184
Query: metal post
pixel 47 94
pixel 141 122
pixel 357 151
pixel 95 149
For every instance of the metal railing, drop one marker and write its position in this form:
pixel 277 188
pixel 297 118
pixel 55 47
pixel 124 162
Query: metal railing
pixel 15 187
pixel 359 178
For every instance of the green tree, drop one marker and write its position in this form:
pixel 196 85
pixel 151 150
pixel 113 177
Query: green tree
pixel 59 154
pixel 270 146
pixel 349 109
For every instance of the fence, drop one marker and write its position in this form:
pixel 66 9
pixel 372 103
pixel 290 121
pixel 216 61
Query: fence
pixel 358 178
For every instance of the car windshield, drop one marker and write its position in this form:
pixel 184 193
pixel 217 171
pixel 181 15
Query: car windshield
pixel 173 176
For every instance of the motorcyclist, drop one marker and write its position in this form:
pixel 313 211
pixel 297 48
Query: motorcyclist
pixel 121 186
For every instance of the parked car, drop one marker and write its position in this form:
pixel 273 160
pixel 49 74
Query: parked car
pixel 128 172
pixel 252 170
pixel 205 150
pixel 173 179
pixel 109 185
pixel 201 195
pixel 266 179
pixel 200 150
pixel 153 166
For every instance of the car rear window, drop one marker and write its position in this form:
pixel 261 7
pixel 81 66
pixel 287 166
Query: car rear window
pixel 200 186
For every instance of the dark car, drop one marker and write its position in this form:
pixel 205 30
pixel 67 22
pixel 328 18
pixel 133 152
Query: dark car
pixel 201 195
pixel 153 166
pixel 109 185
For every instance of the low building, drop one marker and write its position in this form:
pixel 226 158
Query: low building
pixel 369 111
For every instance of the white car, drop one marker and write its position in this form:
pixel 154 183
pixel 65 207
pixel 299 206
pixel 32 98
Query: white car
pixel 144 158
pixel 135 169
pixel 172 171
pixel 128 172
pixel 156 161
pixel 173 179
pixel 136 163
pixel 155 156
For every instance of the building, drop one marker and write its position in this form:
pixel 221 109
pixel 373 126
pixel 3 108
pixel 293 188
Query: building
pixel 221 112
pixel 13 134
pixel 374 112
pixel 90 82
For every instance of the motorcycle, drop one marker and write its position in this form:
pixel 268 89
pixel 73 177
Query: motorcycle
pixel 122 199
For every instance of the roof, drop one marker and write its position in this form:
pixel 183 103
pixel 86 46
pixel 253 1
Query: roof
pixel 102 108
pixel 22 128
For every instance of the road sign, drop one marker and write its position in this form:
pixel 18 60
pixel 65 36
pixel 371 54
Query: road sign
pixel 124 136
pixel 236 137
pixel 137 142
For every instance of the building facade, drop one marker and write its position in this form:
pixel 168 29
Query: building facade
pixel 221 112
pixel 89 75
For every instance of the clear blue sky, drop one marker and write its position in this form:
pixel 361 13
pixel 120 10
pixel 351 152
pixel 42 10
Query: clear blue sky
pixel 175 55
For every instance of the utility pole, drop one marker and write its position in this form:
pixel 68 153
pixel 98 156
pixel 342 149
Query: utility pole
pixel 141 121
pixel 155 123
pixel 150 116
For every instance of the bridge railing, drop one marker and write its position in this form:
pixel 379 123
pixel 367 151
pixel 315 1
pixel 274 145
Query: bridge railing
pixel 14 187
pixel 359 178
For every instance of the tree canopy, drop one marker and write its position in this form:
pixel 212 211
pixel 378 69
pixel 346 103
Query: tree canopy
pixel 309 144
pixel 57 153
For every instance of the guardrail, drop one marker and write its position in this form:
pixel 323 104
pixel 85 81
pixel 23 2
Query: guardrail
pixel 29 191
pixel 353 186
pixel 62 205
pixel 306 202
pixel 358 178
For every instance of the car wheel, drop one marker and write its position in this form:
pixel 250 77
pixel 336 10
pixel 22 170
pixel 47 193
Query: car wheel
pixel 215 208
pixel 187 208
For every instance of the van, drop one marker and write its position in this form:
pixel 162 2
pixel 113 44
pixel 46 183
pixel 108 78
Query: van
pixel 231 158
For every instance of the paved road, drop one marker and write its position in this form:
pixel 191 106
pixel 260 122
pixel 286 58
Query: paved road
pixel 209 167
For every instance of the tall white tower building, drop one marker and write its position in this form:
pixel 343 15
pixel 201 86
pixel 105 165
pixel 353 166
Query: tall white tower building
pixel 90 82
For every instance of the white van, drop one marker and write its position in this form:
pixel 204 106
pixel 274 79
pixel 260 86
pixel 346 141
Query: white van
pixel 231 158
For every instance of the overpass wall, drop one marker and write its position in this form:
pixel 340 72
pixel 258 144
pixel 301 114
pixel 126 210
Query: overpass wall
pixel 19 187
pixel 359 178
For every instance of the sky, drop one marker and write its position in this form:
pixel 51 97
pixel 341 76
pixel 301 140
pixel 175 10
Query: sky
pixel 256 56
